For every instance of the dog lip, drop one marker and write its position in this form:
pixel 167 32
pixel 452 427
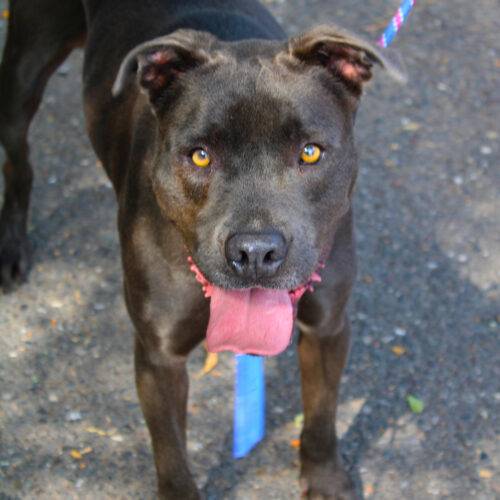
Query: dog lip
pixel 295 292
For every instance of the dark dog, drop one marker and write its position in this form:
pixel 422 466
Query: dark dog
pixel 226 145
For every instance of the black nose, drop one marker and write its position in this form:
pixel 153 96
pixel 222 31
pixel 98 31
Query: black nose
pixel 256 255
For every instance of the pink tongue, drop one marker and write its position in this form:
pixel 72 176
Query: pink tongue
pixel 252 321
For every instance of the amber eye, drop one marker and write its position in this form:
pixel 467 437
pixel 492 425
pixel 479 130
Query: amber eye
pixel 200 158
pixel 310 154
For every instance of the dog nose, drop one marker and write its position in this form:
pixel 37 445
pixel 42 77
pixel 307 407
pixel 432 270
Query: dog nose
pixel 256 255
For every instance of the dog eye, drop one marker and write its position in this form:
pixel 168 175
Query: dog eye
pixel 310 154
pixel 200 158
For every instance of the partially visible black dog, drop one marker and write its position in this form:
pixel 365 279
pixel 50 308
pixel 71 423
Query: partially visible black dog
pixel 229 146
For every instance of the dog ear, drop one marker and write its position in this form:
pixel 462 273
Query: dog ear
pixel 162 60
pixel 346 56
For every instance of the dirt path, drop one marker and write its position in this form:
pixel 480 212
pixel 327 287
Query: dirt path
pixel 428 232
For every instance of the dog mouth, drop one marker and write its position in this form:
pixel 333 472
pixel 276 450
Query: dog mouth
pixel 252 320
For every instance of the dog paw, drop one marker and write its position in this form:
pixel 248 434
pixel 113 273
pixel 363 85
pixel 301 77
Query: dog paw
pixel 14 256
pixel 327 482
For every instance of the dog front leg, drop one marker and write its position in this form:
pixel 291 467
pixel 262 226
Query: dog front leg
pixel 322 361
pixel 323 349
pixel 162 385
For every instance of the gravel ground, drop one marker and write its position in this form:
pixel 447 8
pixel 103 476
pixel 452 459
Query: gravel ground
pixel 70 422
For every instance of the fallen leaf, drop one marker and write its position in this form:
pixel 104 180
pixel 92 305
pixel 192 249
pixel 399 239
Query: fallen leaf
pixel 95 430
pixel 398 350
pixel 53 322
pixel 295 443
pixel 298 420
pixel 210 363
pixel 86 450
pixel 368 490
pixel 485 473
pixel 82 466
pixel 416 405
pixel 411 126
pixel 5 14
pixel 76 454
pixel 367 279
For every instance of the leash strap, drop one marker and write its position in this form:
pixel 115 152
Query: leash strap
pixel 396 22
pixel 249 404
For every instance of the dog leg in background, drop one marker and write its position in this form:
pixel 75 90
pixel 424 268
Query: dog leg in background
pixel 29 58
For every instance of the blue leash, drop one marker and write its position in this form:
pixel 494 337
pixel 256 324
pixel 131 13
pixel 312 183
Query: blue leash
pixel 249 404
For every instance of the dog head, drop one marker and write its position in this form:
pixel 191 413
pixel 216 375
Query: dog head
pixel 255 162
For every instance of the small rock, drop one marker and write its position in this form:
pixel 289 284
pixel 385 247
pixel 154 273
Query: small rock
pixel 462 258
pixel 367 340
pixel 458 180
pixel 99 306
pixel 52 180
pixel 55 303
pixel 7 396
pixel 485 150
pixel 80 482
pixel 432 265
pixel 53 397
pixel 64 69
pixel 117 438
pixel 400 332
pixel 195 446
pixel 12 354
pixel 73 416
pixel 386 339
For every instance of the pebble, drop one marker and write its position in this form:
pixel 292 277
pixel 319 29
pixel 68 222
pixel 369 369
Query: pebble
pixel 485 150
pixel 64 69
pixel 55 303
pixel 73 416
pixel 195 446
pixel 7 396
pixel 53 397
pixel 400 332
pixel 367 340
pixel 432 265
pixel 462 258
pixel 458 180
pixel 80 482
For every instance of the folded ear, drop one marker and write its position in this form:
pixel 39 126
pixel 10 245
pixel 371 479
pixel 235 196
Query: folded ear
pixel 159 62
pixel 346 56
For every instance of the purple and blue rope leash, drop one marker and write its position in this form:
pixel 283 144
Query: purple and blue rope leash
pixel 249 399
